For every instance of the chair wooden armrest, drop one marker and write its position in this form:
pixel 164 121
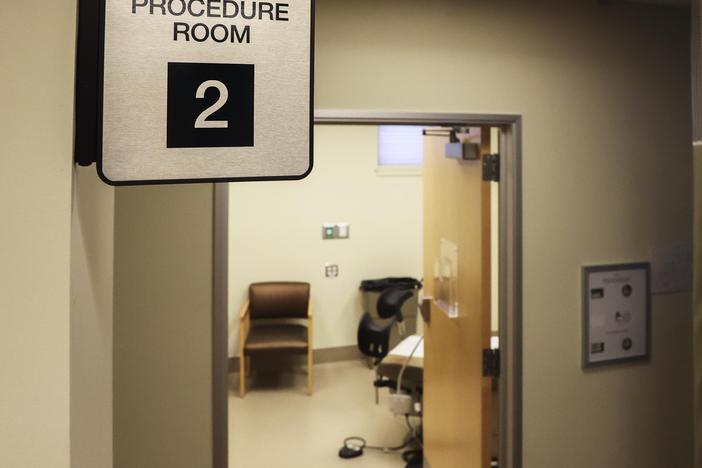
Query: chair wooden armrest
pixel 310 348
pixel 245 310
pixel 244 323
pixel 309 325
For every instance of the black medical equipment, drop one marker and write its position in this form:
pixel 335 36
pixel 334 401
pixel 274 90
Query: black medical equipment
pixel 374 338
pixel 374 342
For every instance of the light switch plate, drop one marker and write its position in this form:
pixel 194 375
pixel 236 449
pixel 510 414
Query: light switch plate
pixel 328 231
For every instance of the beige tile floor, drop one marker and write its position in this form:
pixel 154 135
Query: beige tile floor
pixel 278 426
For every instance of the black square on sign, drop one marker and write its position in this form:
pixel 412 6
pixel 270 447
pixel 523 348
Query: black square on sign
pixel 210 105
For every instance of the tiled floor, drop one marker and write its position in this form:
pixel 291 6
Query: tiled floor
pixel 278 425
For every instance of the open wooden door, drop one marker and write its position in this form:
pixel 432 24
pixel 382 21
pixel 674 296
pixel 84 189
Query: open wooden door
pixel 457 276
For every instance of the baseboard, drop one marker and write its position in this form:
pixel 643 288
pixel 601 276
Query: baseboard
pixel 320 356
pixel 339 354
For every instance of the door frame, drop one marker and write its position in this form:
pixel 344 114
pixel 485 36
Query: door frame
pixel 510 275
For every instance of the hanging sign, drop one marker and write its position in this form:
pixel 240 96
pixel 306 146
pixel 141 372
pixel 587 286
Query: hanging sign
pixel 205 90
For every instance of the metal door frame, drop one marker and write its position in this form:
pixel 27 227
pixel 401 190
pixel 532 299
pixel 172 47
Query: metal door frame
pixel 510 288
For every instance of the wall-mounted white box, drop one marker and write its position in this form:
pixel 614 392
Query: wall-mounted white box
pixel 343 231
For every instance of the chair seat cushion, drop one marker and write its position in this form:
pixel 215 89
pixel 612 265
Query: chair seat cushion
pixel 272 337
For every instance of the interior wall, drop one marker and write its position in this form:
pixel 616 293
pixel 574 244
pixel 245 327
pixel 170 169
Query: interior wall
pixel 92 266
pixel 163 326
pixel 605 96
pixel 37 55
pixel 276 231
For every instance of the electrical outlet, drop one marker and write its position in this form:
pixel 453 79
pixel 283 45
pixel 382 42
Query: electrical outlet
pixel 331 271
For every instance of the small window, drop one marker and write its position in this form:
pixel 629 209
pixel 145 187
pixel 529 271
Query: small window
pixel 400 145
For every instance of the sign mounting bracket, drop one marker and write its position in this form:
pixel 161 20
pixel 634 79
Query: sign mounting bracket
pixel 86 100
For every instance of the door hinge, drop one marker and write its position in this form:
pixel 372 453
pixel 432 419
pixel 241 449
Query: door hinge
pixel 491 363
pixel 491 168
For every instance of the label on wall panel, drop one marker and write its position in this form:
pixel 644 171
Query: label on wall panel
pixel 206 90
pixel 671 267
pixel 616 313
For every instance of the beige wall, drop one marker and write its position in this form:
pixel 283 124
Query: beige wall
pixel 605 95
pixel 163 327
pixel 593 83
pixel 276 231
pixel 36 52
pixel 92 257
pixel 698 303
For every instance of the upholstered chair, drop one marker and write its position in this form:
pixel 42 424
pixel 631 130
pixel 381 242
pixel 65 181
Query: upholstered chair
pixel 276 318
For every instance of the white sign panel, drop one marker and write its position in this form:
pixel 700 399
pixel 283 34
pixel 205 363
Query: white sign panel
pixel 206 90
pixel 616 313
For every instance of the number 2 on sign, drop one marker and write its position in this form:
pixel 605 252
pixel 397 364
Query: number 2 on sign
pixel 201 121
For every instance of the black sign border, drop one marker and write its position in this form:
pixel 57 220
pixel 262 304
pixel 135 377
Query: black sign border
pixel 90 58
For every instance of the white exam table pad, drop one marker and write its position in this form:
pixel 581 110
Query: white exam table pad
pixel 400 353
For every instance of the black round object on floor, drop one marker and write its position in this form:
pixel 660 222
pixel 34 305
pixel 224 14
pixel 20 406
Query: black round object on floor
pixel 353 447
pixel 349 452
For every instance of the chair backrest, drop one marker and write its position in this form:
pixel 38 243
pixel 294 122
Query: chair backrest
pixel 277 300
pixel 390 303
pixel 374 339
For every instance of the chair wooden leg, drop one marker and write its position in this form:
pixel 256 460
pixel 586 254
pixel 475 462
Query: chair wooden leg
pixel 242 375
pixel 309 371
